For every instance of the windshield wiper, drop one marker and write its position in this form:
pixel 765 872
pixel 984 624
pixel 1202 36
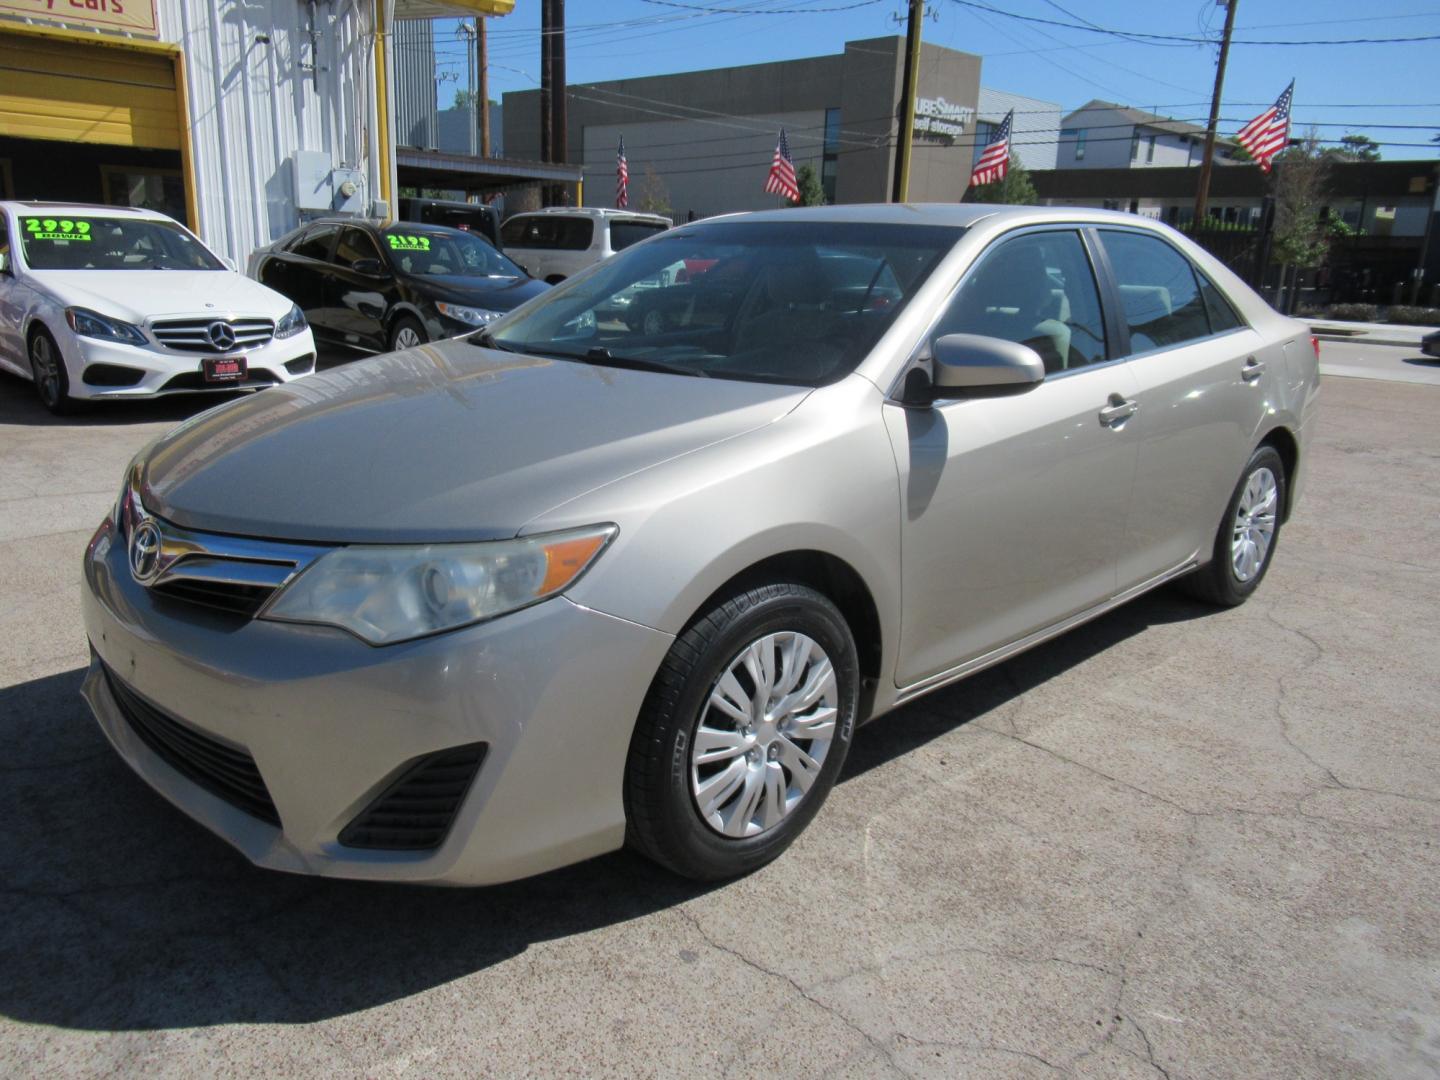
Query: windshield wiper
pixel 601 355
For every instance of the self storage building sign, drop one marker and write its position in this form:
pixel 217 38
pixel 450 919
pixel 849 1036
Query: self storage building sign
pixel 128 16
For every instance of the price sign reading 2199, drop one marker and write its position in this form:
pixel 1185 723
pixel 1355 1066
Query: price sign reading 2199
pixel 408 242
pixel 56 229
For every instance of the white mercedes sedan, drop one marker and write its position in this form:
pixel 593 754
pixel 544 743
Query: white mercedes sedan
pixel 109 302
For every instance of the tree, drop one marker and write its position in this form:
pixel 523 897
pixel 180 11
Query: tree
pixel 1014 189
pixel 811 192
pixel 1358 148
pixel 652 196
pixel 1302 234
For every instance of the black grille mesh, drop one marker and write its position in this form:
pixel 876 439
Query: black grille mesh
pixel 415 812
pixel 223 770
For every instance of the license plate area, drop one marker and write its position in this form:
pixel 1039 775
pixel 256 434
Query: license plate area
pixel 224 369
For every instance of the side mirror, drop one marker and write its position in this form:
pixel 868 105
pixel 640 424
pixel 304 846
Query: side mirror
pixel 969 365
pixel 368 267
pixel 228 263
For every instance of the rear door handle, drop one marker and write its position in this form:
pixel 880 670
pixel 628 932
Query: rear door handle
pixel 1253 369
pixel 1118 411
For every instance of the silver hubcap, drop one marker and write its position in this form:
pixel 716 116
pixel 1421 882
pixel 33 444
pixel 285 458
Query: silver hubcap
pixel 1254 525
pixel 46 368
pixel 406 338
pixel 764 734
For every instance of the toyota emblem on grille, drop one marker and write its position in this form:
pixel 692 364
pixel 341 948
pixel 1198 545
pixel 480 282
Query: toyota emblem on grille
pixel 145 552
pixel 221 335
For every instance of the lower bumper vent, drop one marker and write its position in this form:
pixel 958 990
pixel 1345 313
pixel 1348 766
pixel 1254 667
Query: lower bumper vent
pixel 416 811
pixel 225 771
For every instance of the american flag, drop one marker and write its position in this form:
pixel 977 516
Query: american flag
pixel 781 180
pixel 622 177
pixel 995 161
pixel 1266 135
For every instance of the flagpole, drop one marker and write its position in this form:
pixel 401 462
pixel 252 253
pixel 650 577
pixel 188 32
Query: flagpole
pixel 1202 190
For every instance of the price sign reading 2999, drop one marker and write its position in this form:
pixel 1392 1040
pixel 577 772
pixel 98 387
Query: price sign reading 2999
pixel 56 229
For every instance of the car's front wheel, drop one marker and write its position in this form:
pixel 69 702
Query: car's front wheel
pixel 407 333
pixel 47 368
pixel 1245 542
pixel 743 732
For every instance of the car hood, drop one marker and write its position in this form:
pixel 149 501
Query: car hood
pixel 137 295
pixel 444 442
pixel 494 294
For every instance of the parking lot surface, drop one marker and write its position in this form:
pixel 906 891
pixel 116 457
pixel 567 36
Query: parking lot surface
pixel 1176 842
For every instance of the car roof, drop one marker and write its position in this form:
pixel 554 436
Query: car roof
pixel 590 212
pixel 954 214
pixel 21 206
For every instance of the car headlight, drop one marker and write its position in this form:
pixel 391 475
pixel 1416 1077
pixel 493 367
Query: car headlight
pixel 292 323
pixel 387 594
pixel 471 316
pixel 92 324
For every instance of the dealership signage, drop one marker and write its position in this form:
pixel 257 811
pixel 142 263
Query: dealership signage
pixel 125 16
pixel 939 119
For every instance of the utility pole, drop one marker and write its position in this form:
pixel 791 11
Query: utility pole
pixel 559 146
pixel 547 78
pixel 482 97
pixel 1202 190
pixel 901 190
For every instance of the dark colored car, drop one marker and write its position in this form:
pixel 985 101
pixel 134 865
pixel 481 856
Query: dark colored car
pixel 377 288
pixel 469 217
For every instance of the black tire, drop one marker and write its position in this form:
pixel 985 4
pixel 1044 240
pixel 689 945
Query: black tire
pixel 663 820
pixel 52 381
pixel 407 322
pixel 1217 582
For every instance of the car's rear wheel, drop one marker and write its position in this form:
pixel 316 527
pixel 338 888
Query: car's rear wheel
pixel 407 333
pixel 47 368
pixel 1245 542
pixel 743 732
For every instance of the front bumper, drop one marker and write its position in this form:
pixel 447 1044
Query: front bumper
pixel 171 372
pixel 553 692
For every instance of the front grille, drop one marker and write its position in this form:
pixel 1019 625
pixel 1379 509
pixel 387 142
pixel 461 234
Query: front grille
pixel 195 380
pixel 228 596
pixel 225 771
pixel 415 812
pixel 193 335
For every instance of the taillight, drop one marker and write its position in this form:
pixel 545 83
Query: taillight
pixel 1315 344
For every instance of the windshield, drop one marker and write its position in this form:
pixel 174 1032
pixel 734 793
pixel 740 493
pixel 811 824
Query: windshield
pixel 100 243
pixel 798 303
pixel 447 251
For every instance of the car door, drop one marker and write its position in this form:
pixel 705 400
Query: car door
pixel 1204 383
pixel 300 271
pixel 1013 506
pixel 359 290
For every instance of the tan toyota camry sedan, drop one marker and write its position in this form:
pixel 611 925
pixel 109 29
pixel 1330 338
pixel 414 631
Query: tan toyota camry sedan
pixel 477 609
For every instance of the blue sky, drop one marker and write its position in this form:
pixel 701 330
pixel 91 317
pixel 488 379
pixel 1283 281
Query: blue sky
pixel 1342 87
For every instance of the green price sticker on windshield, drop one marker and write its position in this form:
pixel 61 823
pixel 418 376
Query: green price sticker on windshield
pixel 56 229
pixel 408 242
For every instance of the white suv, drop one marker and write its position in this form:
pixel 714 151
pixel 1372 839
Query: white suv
pixel 109 302
pixel 554 243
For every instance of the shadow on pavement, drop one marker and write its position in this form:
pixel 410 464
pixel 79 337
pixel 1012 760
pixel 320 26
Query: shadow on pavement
pixel 123 915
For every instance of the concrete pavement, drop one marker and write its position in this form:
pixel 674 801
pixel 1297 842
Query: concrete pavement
pixel 1355 359
pixel 1176 842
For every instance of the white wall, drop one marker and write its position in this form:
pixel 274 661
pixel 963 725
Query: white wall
pixel 252 105
pixel 1035 134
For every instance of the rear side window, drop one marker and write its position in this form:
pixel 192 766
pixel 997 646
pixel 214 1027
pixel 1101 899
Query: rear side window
pixel 316 244
pixel 519 232
pixel 1159 296
pixel 573 234
pixel 625 233
pixel 1222 315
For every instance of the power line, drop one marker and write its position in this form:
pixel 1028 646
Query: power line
pixel 1140 36
pixel 703 9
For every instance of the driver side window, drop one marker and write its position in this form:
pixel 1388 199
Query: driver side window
pixel 1038 290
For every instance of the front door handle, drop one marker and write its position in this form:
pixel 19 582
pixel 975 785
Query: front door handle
pixel 1253 369
pixel 1118 411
